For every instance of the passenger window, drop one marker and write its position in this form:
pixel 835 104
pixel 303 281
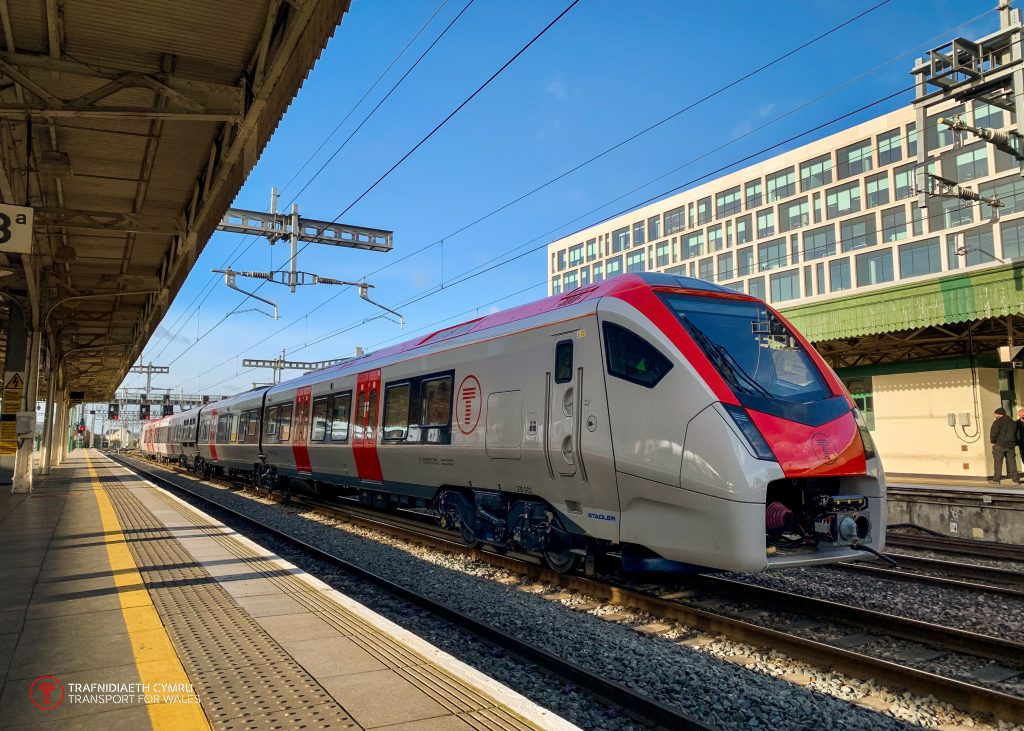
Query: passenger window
pixel 396 412
pixel 284 429
pixel 253 424
pixel 319 420
pixel 340 408
pixel 271 426
pixel 437 402
pixel 563 362
pixel 234 428
pixel 632 358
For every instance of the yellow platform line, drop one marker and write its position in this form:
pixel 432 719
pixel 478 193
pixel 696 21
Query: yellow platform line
pixel 158 665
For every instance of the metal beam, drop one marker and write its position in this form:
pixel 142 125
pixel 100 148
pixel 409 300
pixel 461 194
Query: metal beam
pixel 101 221
pixel 18 111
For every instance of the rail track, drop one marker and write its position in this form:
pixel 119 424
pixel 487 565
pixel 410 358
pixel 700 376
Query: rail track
pixel 723 607
pixel 640 707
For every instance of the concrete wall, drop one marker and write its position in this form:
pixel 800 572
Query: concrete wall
pixel 911 432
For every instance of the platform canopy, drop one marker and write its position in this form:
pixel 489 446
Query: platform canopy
pixel 128 128
pixel 964 313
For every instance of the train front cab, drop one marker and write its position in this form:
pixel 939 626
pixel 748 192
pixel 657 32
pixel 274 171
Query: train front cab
pixel 735 445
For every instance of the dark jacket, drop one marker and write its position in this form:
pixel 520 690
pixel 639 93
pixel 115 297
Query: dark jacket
pixel 1020 433
pixel 1003 432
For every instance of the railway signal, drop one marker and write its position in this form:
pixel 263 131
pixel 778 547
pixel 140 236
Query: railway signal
pixel 113 411
pixel 144 412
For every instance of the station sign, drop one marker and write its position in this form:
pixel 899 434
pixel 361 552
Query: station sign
pixel 15 229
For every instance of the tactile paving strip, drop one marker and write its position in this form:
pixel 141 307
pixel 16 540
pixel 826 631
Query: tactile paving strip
pixel 461 699
pixel 244 679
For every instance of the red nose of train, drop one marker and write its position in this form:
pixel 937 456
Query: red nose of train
pixel 833 449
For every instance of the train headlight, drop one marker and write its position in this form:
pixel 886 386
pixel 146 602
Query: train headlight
pixel 749 430
pixel 865 435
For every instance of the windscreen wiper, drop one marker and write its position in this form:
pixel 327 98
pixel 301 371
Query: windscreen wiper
pixel 724 360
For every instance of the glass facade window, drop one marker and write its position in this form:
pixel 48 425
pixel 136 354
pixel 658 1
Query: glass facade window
pixel 728 202
pixel 894 224
pixel 819 274
pixel 858 233
pixel 752 194
pixel 971 163
pixel 570 282
pixel 815 173
pixel 853 160
pixel 725 270
pixel 1013 238
pixel 744 230
pixel 771 255
pixel 980 246
pixel 765 223
pixel 662 255
pixel 704 211
pixel 584 276
pixel 553 263
pixel 794 215
pixel 842 200
pixel 890 147
pixel 785 285
pixel 839 274
pixel 576 255
pixel 556 284
pixel 614 266
pixel 591 249
pixel 817 207
pixel 955 212
pixel 911 139
pixel 874 267
pixel 736 286
pixel 904 181
pixel 919 258
pixel 635 262
pixel 746 261
pixel 654 227
pixel 808 280
pixel 781 185
pixel 693 244
pixel 675 220
pixel 755 287
pixel 715 238
pixel 1009 191
pixel 638 234
pixel 986 115
pixel 939 135
pixel 598 272
pixel 561 260
pixel 877 187
pixel 620 240
pixel 819 243
pixel 706 269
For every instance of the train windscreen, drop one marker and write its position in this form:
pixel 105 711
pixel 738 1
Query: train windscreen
pixel 755 352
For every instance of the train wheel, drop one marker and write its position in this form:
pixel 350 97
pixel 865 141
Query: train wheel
pixel 558 553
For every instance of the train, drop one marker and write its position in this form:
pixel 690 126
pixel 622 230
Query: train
pixel 661 421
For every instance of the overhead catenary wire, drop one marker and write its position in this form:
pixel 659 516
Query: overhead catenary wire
pixel 636 135
pixel 660 195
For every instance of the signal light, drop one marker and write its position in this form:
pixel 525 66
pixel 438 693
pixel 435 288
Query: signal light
pixel 113 411
pixel 144 412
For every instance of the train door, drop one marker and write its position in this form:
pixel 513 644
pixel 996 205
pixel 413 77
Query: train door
pixel 561 441
pixel 364 432
pixel 300 434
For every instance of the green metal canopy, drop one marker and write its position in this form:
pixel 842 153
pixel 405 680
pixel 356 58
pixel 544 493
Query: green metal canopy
pixel 977 295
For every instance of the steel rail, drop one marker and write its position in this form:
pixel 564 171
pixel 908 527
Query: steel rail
pixel 640 707
pixel 958 546
pixel 964 695
pixel 999 581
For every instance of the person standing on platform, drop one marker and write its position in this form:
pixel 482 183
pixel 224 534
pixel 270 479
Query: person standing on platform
pixel 1020 434
pixel 1003 436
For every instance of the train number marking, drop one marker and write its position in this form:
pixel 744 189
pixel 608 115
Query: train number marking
pixel 524 489
pixel 468 405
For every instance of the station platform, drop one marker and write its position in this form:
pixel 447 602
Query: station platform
pixel 123 607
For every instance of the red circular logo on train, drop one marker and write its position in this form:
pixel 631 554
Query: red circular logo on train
pixel 46 692
pixel 824 448
pixel 468 405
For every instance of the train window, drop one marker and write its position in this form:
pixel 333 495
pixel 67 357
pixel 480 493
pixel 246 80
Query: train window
pixel 234 427
pixel 254 421
pixel 284 421
pixel 371 417
pixel 319 432
pixel 270 426
pixel 341 404
pixel 632 358
pixel 204 430
pixel 396 412
pixel 563 362
pixel 437 402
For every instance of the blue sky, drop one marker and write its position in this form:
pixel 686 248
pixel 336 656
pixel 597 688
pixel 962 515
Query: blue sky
pixel 607 70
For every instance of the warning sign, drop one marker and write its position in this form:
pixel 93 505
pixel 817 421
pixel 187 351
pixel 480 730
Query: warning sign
pixel 14 389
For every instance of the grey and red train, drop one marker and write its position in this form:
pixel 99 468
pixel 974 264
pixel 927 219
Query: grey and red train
pixel 665 421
